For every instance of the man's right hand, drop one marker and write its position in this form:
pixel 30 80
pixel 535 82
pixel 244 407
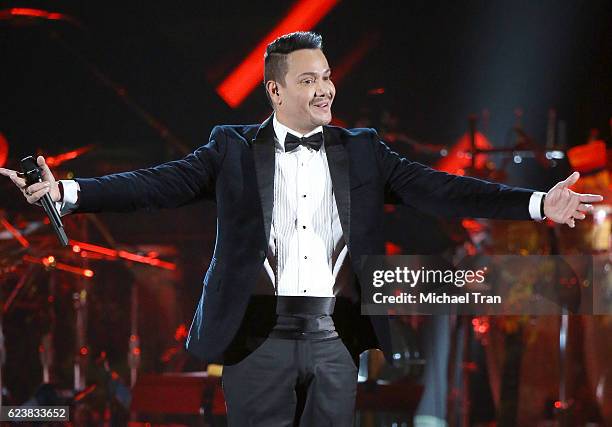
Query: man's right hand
pixel 34 192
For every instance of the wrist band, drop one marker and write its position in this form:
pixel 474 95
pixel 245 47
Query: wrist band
pixel 542 207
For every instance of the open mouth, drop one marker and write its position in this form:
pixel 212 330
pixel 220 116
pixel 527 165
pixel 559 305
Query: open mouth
pixel 323 106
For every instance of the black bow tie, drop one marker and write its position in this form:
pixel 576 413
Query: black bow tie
pixel 313 141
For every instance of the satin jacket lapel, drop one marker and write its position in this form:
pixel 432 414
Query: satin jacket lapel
pixel 263 155
pixel 338 162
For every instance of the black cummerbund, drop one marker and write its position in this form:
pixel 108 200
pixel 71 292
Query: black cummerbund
pixel 304 318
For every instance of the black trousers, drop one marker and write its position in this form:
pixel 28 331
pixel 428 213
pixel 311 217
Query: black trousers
pixel 292 382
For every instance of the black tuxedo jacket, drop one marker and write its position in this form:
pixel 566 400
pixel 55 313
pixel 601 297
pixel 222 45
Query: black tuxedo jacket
pixel 236 170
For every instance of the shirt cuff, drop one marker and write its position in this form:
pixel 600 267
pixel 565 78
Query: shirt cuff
pixel 71 196
pixel 534 205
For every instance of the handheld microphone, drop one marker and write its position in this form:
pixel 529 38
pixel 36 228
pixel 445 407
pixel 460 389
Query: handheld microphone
pixel 30 169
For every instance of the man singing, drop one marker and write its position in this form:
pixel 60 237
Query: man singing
pixel 299 202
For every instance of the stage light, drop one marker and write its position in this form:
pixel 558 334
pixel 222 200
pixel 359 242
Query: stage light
pixel 304 15
pixel 83 247
pixel 54 161
pixel 181 332
pixel 34 14
pixel 392 249
pixel 4 149
pixel 459 156
pixel 51 262
pixel 94 248
pixel 48 261
pixel 16 234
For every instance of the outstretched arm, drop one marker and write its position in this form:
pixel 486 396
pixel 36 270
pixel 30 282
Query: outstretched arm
pixel 444 194
pixel 170 184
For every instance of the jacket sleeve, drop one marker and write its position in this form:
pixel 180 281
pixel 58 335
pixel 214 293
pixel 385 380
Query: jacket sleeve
pixel 168 185
pixel 443 194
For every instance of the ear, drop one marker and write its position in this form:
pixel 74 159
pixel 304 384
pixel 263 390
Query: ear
pixel 273 90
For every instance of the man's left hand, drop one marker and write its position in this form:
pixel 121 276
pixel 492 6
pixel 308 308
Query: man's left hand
pixel 564 206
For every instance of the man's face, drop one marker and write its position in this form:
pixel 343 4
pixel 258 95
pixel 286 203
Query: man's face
pixel 304 100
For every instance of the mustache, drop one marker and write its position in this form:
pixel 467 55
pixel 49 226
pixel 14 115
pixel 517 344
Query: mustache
pixel 317 100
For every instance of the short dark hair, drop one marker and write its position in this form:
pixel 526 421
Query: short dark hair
pixel 275 58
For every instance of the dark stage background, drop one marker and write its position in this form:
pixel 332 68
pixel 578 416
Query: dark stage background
pixel 417 68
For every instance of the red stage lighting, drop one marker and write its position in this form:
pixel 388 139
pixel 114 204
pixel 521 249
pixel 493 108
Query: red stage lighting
pixel 34 13
pixel 304 15
pixel 392 249
pixel 83 247
pixel 181 332
pixel 51 262
pixel 93 248
pixel 3 150
pixel 54 161
pixel 22 240
pixel 588 158
pixel 48 261
pixel 459 156
pixel 26 13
